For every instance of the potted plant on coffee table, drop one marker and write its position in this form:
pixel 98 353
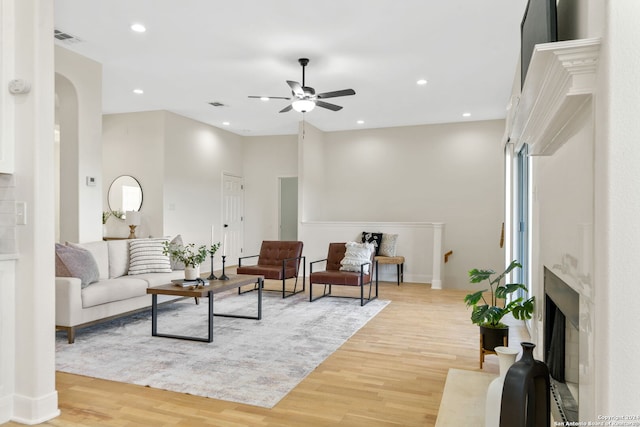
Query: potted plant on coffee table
pixel 189 255
pixel 491 305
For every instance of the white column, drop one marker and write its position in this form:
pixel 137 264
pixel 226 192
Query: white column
pixel 35 399
pixel 7 336
pixel 436 281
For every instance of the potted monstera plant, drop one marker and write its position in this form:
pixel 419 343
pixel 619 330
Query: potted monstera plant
pixel 490 305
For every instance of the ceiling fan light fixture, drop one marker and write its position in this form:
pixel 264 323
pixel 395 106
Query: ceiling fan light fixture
pixel 303 105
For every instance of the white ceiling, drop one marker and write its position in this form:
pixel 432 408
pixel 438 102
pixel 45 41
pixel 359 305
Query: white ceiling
pixel 199 51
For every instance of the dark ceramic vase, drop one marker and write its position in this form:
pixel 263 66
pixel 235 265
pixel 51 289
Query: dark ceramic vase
pixel 526 392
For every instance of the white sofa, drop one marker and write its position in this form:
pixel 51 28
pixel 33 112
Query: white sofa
pixel 114 294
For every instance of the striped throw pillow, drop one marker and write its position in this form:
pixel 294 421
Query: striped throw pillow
pixel 145 256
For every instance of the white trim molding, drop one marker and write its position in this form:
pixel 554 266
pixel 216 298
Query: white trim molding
pixel 561 80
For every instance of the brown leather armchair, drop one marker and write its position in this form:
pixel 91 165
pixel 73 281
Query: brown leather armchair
pixel 278 260
pixel 332 275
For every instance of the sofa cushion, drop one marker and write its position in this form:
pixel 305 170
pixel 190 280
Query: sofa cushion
pixel 349 278
pixel 110 290
pixel 388 245
pixel 76 262
pixel 118 258
pixel 355 255
pixel 100 252
pixel 273 272
pixel 157 279
pixel 146 256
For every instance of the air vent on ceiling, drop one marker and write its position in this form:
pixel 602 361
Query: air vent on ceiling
pixel 66 37
pixel 217 104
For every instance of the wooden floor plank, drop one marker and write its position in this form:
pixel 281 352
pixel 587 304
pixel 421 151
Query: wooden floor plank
pixel 390 373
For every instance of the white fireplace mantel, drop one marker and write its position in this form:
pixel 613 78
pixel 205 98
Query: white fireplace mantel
pixel 560 81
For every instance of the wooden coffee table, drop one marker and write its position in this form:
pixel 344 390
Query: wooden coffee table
pixel 211 288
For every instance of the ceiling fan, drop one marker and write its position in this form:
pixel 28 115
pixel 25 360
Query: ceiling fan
pixel 305 98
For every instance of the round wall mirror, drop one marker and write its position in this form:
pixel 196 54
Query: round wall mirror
pixel 125 194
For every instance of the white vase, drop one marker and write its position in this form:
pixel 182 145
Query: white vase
pixel 191 273
pixel 506 358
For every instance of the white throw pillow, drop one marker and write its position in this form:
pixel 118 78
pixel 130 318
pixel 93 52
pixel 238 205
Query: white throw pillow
pixel 356 255
pixel 145 256
pixel 388 245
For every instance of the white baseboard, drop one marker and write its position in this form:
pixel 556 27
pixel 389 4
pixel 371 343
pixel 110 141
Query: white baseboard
pixel 6 409
pixel 33 411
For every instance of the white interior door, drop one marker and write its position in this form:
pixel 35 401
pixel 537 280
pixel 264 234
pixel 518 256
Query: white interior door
pixel 232 218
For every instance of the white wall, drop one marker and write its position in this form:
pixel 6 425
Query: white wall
pixel 81 154
pixel 580 19
pixel 266 158
pixel 562 222
pixel 617 207
pixel 563 207
pixel 196 156
pixel 450 173
pixel 311 180
pixel 133 144
pixel 179 163
pixel 572 19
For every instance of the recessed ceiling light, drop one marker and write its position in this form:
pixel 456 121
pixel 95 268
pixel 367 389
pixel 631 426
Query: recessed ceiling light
pixel 466 114
pixel 421 82
pixel 138 91
pixel 360 122
pixel 264 98
pixel 226 123
pixel 138 28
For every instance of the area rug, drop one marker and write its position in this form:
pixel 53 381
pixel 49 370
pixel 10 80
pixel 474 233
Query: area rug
pixel 463 399
pixel 256 362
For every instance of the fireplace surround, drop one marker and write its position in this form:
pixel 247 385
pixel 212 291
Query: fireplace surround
pixel 561 349
pixel 554 116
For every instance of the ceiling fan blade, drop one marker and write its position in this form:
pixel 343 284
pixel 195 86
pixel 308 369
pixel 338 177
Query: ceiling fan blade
pixel 332 107
pixel 296 88
pixel 285 109
pixel 269 97
pixel 334 94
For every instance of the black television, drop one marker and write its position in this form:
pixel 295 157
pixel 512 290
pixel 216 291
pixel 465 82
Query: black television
pixel 539 25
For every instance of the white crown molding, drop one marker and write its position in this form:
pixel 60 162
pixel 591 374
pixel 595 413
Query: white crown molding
pixel 560 82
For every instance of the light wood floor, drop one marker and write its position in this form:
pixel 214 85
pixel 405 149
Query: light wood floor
pixel 390 373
